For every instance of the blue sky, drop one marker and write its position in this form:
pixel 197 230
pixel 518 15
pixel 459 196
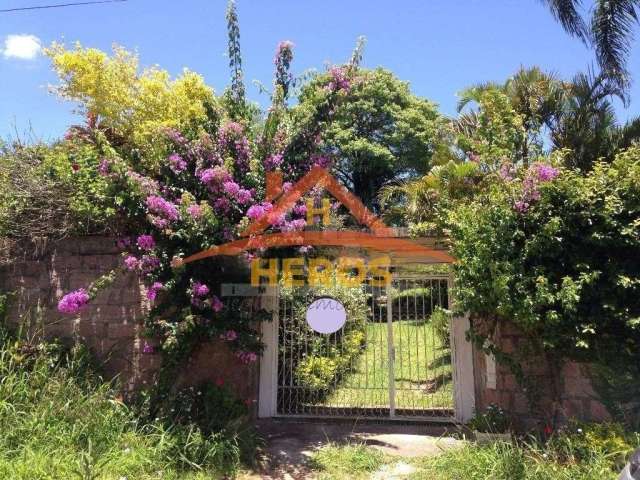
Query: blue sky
pixel 439 46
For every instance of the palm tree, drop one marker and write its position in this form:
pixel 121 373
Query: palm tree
pixel 609 30
pixel 534 94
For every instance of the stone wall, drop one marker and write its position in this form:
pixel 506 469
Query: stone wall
pixel 112 325
pixel 577 399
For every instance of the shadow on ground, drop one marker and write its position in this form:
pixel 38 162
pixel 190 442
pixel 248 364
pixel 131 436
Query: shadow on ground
pixel 289 445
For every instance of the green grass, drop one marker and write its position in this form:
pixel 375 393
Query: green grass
pixel 422 370
pixel 499 461
pixel 58 420
pixel 353 461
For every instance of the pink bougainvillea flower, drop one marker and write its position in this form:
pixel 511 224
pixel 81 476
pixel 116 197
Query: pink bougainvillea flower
pixel 273 161
pixel 195 211
pixel 244 196
pixel 146 242
pixel 246 357
pixel 216 304
pixel 152 291
pixel 176 163
pixel 544 172
pixel 103 167
pixel 222 205
pixel 147 348
pixel 300 209
pixel 199 290
pixel 73 302
pixel 148 263
pixel 162 211
pixel 229 335
pixel 131 263
pixel 231 188
pixel 258 210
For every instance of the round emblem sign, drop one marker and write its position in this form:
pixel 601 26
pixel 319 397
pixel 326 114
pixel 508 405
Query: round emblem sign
pixel 326 315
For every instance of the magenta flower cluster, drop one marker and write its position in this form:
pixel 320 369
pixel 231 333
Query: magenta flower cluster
pixel 229 336
pixel 73 302
pixel 146 242
pixel 195 211
pixel 258 210
pixel 152 291
pixel 246 357
pixel 537 174
pixel 162 212
pixel 273 161
pixel 176 163
pixel 339 79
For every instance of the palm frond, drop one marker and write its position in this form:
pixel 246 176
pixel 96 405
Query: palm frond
pixel 566 12
pixel 612 30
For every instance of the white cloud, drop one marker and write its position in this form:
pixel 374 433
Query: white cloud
pixel 23 47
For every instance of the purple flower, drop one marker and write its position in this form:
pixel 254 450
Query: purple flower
pixel 103 167
pixel 229 335
pixel 147 349
pixel 194 210
pixel 300 209
pixel 521 206
pixel 246 357
pixel 146 185
pixel 231 188
pixel 545 173
pixel 152 291
pixel 506 172
pixel 162 211
pixel 216 304
pixel 146 242
pixel 175 136
pixel 258 210
pixel 339 79
pixel 244 196
pixel 123 242
pixel 294 225
pixel 131 263
pixel 149 263
pixel 199 290
pixel 73 302
pixel 214 177
pixel 222 205
pixel 286 186
pixel 272 162
pixel 177 163
pixel 321 161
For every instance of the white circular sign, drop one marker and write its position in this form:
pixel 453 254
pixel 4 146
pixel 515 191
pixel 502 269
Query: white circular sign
pixel 326 315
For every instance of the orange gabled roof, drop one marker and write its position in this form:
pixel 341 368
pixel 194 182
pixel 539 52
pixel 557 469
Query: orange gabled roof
pixel 319 176
pixel 378 240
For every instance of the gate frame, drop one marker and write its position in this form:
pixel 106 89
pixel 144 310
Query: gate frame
pixel 461 359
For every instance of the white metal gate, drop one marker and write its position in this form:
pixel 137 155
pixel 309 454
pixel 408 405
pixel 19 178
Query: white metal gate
pixel 398 364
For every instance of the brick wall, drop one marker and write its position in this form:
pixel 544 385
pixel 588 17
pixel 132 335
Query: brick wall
pixel 577 399
pixel 112 325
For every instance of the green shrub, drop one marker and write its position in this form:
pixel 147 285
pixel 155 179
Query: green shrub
pixel 320 361
pixel 581 442
pixel 58 419
pixel 440 321
pixel 493 420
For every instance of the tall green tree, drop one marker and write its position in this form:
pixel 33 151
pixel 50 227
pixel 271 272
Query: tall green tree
pixel 380 131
